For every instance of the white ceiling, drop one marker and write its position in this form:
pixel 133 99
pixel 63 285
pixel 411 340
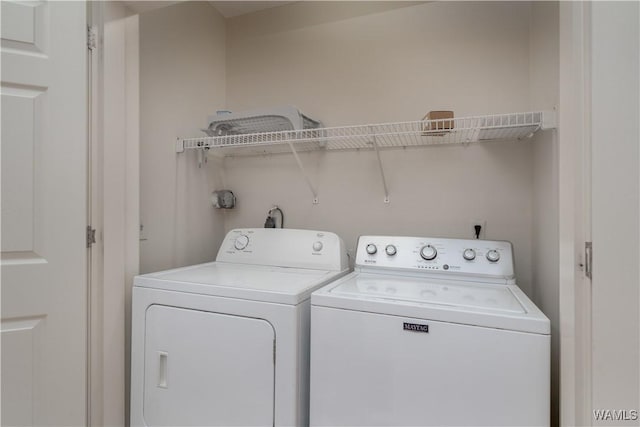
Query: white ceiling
pixel 228 9
pixel 142 6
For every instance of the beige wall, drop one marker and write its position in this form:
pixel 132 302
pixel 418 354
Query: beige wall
pixel 182 64
pixel 358 63
pixel 361 63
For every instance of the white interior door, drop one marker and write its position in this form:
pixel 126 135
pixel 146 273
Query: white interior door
pixel 615 157
pixel 44 193
pixel 207 369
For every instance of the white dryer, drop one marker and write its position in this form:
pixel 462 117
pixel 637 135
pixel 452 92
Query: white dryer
pixel 227 343
pixel 428 332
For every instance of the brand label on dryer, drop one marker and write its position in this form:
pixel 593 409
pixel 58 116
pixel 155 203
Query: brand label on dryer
pixel 415 327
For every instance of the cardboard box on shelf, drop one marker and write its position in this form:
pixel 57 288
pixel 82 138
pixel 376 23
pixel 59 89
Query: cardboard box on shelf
pixel 437 120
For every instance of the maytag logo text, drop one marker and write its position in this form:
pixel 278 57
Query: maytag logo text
pixel 415 327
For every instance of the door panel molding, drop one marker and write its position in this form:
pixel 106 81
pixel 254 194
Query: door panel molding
pixel 25 27
pixel 24 339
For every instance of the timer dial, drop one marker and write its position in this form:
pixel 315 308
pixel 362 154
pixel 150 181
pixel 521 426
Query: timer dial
pixel 371 249
pixel 469 254
pixel 493 255
pixel 391 250
pixel 428 252
pixel 241 242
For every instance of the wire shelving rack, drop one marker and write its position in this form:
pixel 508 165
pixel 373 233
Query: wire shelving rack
pixel 375 137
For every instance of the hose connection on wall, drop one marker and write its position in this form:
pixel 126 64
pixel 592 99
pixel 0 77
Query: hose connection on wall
pixel 270 222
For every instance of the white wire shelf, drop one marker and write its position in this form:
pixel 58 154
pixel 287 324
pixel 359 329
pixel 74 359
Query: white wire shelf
pixel 461 130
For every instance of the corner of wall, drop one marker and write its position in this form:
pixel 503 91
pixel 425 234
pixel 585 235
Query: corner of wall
pixel 182 66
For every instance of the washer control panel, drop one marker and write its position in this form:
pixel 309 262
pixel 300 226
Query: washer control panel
pixel 487 258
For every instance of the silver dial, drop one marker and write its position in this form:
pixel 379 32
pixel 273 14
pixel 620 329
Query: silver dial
pixel 493 255
pixel 428 252
pixel 391 250
pixel 317 246
pixel 241 242
pixel 371 249
pixel 469 254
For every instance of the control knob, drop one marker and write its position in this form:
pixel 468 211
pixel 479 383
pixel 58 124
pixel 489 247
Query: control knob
pixel 428 252
pixel 469 254
pixel 241 242
pixel 371 249
pixel 317 246
pixel 493 255
pixel 391 250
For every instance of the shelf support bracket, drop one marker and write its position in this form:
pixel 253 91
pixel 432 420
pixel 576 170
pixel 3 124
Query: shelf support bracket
pixel 549 120
pixel 384 181
pixel 304 173
pixel 179 145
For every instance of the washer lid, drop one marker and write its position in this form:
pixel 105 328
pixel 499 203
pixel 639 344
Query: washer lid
pixel 260 283
pixel 479 304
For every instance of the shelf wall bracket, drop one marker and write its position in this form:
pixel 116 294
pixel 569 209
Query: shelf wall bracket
pixel 304 173
pixel 549 120
pixel 202 156
pixel 384 180
pixel 179 145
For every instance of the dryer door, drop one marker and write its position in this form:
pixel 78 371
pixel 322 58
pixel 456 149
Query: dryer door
pixel 207 369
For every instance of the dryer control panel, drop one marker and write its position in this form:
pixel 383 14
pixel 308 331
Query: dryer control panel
pixel 484 259
pixel 284 247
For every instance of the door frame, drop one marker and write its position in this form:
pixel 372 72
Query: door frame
pixel 113 207
pixel 94 263
pixel 574 213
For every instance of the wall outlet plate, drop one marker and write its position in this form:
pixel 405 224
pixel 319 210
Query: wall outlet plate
pixel 223 199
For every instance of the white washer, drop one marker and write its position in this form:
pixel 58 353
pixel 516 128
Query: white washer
pixel 227 343
pixel 428 331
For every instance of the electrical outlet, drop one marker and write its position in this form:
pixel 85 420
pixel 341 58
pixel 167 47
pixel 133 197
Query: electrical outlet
pixel 472 230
